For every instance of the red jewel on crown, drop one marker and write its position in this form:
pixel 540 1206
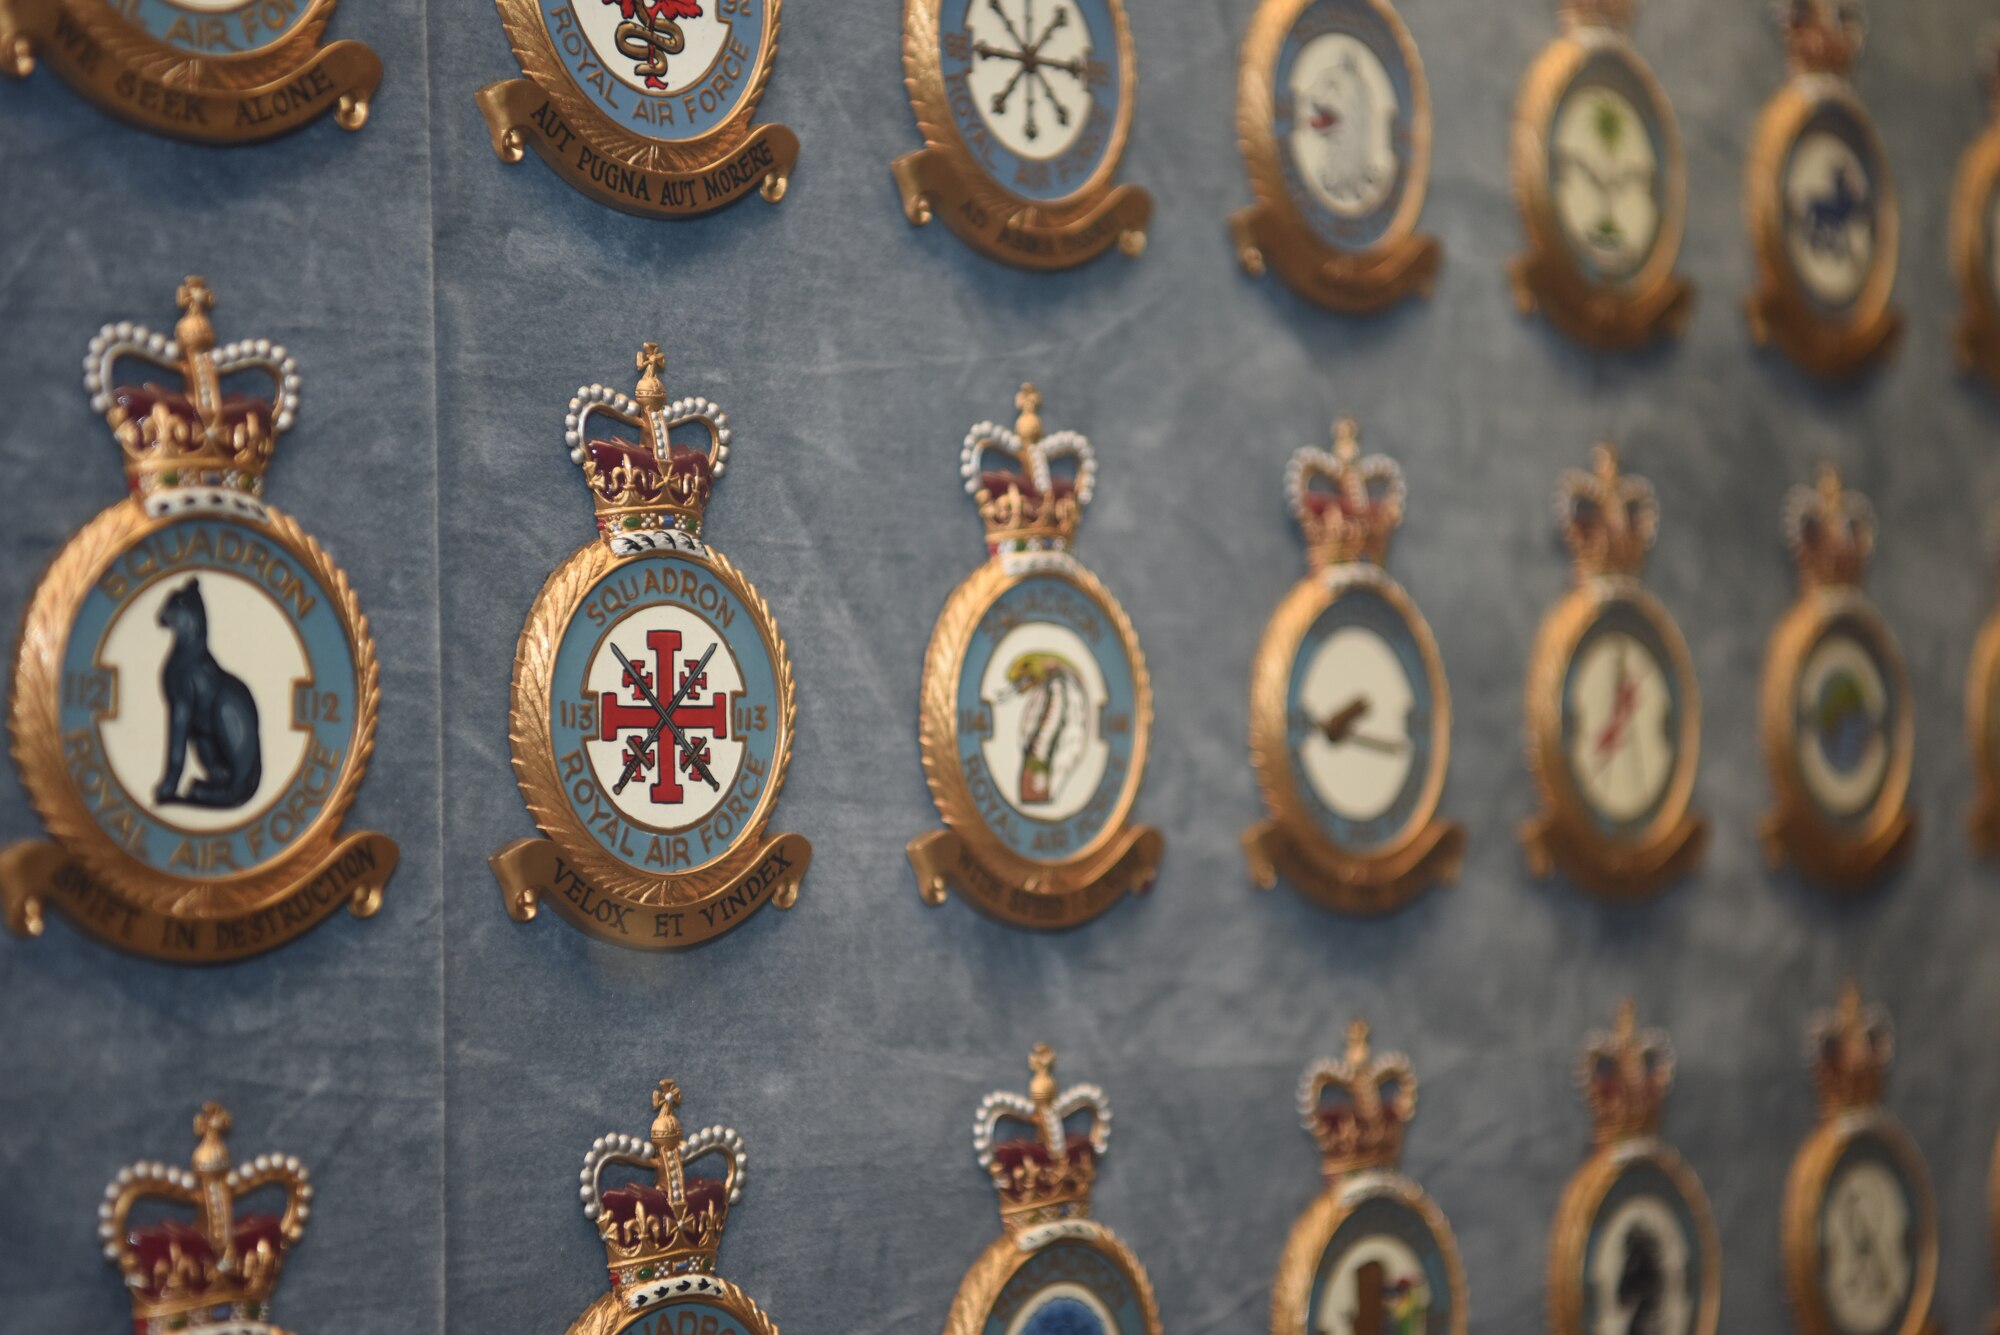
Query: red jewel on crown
pixel 653 482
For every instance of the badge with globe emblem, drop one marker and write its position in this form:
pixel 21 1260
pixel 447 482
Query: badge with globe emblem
pixel 211 71
pixel 1054 1270
pixel 1373 1254
pixel 1821 205
pixel 1835 705
pixel 1601 186
pixel 653 703
pixel 1036 704
pixel 648 106
pixel 195 687
pixel 1860 1228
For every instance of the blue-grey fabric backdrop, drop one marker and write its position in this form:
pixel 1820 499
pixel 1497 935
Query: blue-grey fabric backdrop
pixel 443 1068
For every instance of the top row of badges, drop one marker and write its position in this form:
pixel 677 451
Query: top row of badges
pixel 1025 107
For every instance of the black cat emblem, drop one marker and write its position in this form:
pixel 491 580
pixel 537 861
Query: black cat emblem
pixel 208 708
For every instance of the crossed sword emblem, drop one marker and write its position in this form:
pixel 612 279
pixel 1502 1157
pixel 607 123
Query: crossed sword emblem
pixel 666 720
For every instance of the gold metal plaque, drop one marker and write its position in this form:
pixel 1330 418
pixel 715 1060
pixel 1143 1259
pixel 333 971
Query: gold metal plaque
pixel 195 688
pixel 1036 703
pixel 1975 216
pixel 1982 734
pixel 653 703
pixel 1822 206
pixel 1835 705
pixel 1614 714
pixel 1350 716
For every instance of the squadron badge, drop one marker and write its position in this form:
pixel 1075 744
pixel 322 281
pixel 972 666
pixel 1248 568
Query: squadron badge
pixel 1821 205
pixel 1036 703
pixel 645 105
pixel 215 1275
pixel 1350 716
pixel 1024 110
pixel 653 706
pixel 1334 119
pixel 1975 229
pixel 661 1237
pixel 195 690
pixel 1054 1270
pixel 214 71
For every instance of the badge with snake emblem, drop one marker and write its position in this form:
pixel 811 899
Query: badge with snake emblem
pixel 195 690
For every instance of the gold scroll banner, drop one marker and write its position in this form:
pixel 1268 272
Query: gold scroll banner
pixel 1358 283
pixel 38 875
pixel 944 862
pixel 519 115
pixel 105 58
pixel 1362 886
pixel 1015 231
pixel 533 872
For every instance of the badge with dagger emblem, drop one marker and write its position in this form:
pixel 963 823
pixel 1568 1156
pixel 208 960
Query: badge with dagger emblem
pixel 653 703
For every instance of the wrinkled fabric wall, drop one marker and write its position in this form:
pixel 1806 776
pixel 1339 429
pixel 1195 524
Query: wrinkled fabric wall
pixel 442 1068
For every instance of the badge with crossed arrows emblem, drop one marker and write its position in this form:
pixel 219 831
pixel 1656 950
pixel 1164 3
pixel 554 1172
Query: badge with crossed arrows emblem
pixel 653 703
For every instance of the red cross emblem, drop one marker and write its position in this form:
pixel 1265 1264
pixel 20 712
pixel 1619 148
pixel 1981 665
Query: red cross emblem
pixel 668 722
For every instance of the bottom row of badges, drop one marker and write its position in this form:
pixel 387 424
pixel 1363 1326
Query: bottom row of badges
pixel 1633 1248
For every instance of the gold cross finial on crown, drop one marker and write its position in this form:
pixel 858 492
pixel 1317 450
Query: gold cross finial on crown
pixel 651 395
pixel 1028 426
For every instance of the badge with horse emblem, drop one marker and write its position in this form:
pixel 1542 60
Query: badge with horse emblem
pixel 1821 205
pixel 1601 186
pixel 213 1275
pixel 1975 238
pixel 1036 704
pixel 660 1237
pixel 1860 1226
pixel 1025 112
pixel 1334 120
pixel 653 705
pixel 1634 1246
pixel 1835 706
pixel 1350 717
pixel 1053 1270
pixel 645 105
pixel 1373 1254
pixel 1614 716
pixel 195 689
pixel 212 71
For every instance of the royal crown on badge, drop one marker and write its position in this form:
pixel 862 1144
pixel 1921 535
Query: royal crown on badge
pixel 1600 13
pixel 1821 36
pixel 196 436
pixel 1850 1048
pixel 653 483
pixel 1046 1175
pixel 1626 1075
pixel 661 1238
pixel 1352 518
pixel 1609 520
pixel 1028 507
pixel 1829 531
pixel 1374 1096
pixel 218 1272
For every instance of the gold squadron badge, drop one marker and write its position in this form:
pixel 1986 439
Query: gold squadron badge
pixel 661 1237
pixel 1054 1268
pixel 1634 1246
pixel 1982 727
pixel 1822 208
pixel 213 71
pixel 1373 1252
pixel 1025 111
pixel 1036 703
pixel 1350 717
pixel 1860 1228
pixel 216 1274
pixel 195 689
pixel 653 703
pixel 1601 186
pixel 1835 707
pixel 645 105
pixel 1614 715
pixel 1975 228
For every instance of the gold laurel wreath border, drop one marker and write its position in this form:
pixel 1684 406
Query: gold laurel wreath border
pixel 1806 1184
pixel 1313 1233
pixel 608 1315
pixel 1576 1215
pixel 988 1275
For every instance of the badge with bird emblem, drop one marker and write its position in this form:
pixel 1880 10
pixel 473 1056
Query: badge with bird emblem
pixel 195 687
pixel 646 105
pixel 1835 706
pixel 1350 716
pixel 1036 703
pixel 1821 204
pixel 1614 716
pixel 1373 1254
pixel 653 702
pixel 1601 186
pixel 1634 1247
pixel 1975 237
pixel 211 71
pixel 1054 1270
pixel 1025 107
pixel 1334 120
